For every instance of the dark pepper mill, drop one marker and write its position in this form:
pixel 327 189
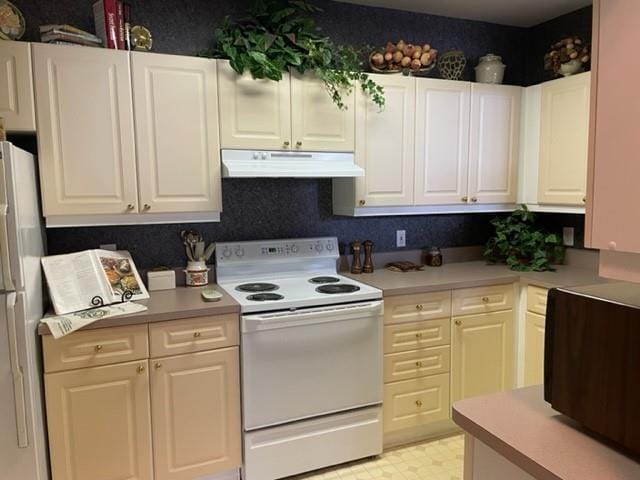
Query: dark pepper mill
pixel 368 260
pixel 355 263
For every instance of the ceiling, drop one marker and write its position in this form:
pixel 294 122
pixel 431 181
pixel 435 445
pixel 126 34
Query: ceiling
pixel 520 13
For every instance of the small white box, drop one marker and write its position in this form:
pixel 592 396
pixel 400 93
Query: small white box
pixel 161 280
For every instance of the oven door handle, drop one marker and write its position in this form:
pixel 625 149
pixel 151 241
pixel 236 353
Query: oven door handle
pixel 311 316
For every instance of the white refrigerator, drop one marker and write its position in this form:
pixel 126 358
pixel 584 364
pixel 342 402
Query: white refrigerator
pixel 23 454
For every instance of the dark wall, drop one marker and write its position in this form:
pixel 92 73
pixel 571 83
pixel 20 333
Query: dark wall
pixel 262 208
pixel 542 36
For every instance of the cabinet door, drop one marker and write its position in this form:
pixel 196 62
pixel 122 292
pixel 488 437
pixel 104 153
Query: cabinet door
pixel 493 155
pixel 317 124
pixel 85 130
pixel 482 354
pixel 442 141
pixel 534 348
pixel 564 140
pixel 99 423
pixel 385 144
pixel 16 87
pixel 176 118
pixel 254 114
pixel 195 400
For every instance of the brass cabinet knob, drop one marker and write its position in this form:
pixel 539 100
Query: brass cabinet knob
pixel 419 335
pixel 362 202
pixel 418 403
pixel 158 366
pixel 298 144
pixel 458 322
pixel 485 299
pixel 196 334
pixel 286 144
pixel 419 364
pixel 98 348
pixel 474 199
pixel 419 307
pixel 140 369
pixel 465 199
pixel 147 206
pixel 584 199
pixel 131 206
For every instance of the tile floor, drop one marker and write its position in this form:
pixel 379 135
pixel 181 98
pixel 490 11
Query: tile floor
pixel 433 460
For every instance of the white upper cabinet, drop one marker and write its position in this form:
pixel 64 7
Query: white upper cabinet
pixel 442 141
pixel 85 130
pixel 317 124
pixel 493 145
pixel 16 87
pixel 564 140
pixel 385 144
pixel 254 114
pixel 176 119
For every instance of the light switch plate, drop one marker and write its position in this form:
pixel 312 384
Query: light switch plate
pixel 567 236
pixel 401 238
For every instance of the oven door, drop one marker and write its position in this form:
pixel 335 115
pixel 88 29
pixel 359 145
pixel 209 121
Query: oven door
pixel 304 363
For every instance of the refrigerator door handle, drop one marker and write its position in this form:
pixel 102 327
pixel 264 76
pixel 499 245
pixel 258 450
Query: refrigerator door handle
pixel 5 256
pixel 17 372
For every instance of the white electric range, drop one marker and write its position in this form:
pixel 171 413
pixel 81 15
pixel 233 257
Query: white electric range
pixel 311 351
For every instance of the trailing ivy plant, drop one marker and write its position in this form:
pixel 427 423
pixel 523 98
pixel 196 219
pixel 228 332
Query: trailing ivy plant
pixel 281 35
pixel 518 243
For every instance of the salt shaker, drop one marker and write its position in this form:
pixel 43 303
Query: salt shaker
pixel 368 260
pixel 355 263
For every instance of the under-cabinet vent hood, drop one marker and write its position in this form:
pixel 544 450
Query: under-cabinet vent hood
pixel 265 163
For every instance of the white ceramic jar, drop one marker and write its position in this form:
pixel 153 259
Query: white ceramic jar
pixel 197 274
pixel 490 69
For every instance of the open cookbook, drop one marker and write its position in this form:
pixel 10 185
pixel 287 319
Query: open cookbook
pixel 78 281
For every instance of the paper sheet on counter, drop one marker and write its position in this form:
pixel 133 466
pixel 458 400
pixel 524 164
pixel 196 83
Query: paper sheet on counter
pixel 61 325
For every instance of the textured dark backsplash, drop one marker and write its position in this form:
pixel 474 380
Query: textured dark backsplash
pixel 263 208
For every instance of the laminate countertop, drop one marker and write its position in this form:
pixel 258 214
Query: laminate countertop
pixel 524 429
pixel 163 305
pixel 472 274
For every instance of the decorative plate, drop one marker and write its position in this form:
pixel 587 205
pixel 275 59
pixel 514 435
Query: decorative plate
pixel 141 38
pixel 12 24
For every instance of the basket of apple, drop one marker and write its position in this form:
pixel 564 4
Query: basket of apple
pixel 403 57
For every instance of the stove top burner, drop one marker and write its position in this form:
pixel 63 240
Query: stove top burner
pixel 324 280
pixel 257 287
pixel 337 288
pixel 263 297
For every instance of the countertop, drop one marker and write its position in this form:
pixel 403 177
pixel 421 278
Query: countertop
pixel 182 302
pixel 472 274
pixel 523 428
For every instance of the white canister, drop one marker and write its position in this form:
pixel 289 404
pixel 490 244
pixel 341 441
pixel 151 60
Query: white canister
pixel 490 69
pixel 197 274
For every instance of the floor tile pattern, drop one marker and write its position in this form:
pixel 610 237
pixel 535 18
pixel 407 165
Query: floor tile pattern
pixel 434 460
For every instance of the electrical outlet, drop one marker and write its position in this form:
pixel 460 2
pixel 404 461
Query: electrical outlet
pixel 109 246
pixel 567 236
pixel 401 238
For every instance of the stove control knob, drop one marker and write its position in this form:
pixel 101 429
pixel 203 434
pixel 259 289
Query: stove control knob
pixel 226 253
pixel 263 156
pixel 240 252
pixel 294 249
pixel 319 247
pixel 256 155
pixel 329 246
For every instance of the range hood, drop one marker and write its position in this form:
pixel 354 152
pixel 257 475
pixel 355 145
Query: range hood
pixel 275 163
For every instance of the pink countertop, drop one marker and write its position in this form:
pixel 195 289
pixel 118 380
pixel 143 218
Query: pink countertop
pixel 523 428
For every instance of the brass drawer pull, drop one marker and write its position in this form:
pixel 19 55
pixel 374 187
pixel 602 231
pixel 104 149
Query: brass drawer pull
pixel 197 335
pixel 98 348
pixel 298 144
pixel 140 369
pixel 465 199
pixel 418 403
pixel 419 364
pixel 474 199
pixel 458 322
pixel 419 307
pixel 485 299
pixel 362 202
pixel 287 143
pixel 158 366
pixel 131 206
pixel 147 206
pixel 419 335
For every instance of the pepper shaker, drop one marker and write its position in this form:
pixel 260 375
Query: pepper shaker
pixel 368 260
pixel 355 263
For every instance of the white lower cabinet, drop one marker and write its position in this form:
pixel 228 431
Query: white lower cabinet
pixel 534 330
pixel 99 423
pixel 195 404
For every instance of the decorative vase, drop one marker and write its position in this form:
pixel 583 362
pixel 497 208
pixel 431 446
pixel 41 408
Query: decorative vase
pixel 490 69
pixel 571 67
pixel 197 274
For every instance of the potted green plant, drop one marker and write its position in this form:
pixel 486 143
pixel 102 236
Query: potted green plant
pixel 521 245
pixel 277 36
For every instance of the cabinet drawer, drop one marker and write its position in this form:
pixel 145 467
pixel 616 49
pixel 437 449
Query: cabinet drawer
pixel 416 363
pixel 413 403
pixel 412 336
pixel 193 335
pixel 537 300
pixel 417 308
pixel 494 298
pixel 91 348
